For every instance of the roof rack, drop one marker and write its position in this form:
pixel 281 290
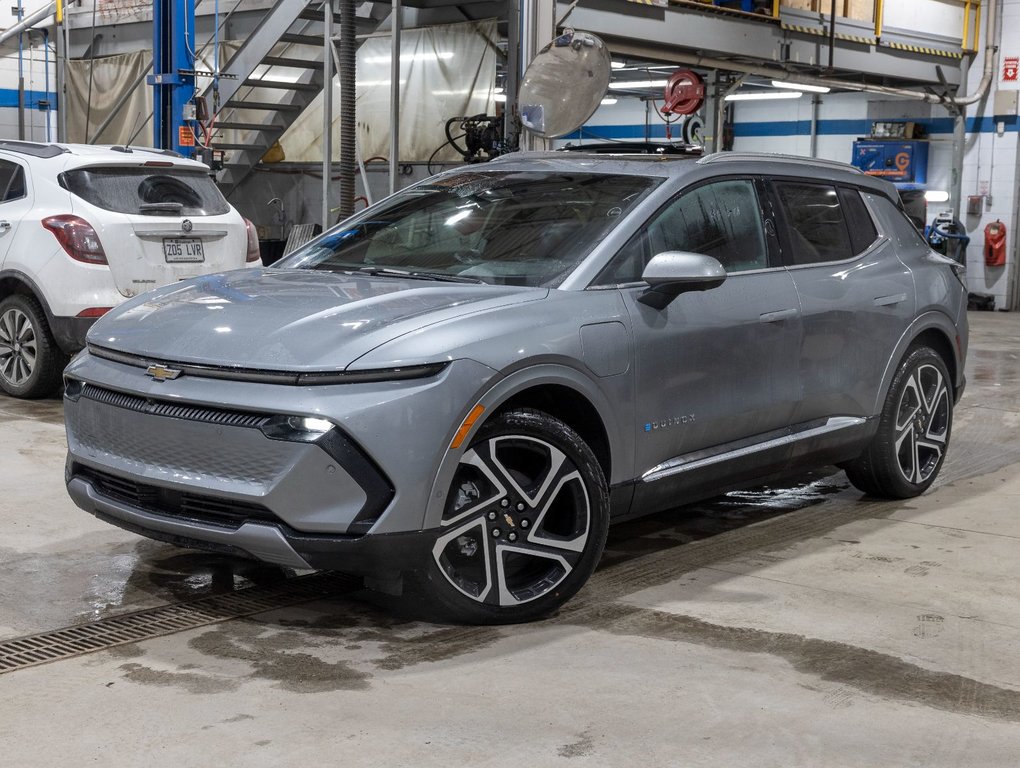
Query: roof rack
pixel 721 157
pixel 33 149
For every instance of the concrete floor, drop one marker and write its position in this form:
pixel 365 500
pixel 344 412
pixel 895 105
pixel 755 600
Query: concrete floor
pixel 794 625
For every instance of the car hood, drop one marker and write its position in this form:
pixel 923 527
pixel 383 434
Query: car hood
pixel 295 320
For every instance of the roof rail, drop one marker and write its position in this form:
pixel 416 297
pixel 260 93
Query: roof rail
pixel 32 148
pixel 720 157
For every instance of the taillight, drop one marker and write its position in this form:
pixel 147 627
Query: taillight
pixel 94 312
pixel 254 254
pixel 77 237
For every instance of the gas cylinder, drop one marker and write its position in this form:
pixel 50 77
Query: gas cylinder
pixel 995 244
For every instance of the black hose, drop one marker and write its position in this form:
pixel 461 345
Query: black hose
pixel 346 53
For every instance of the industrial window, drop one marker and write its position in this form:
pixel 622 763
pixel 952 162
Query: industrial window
pixel 12 181
pixel 818 232
pixel 722 219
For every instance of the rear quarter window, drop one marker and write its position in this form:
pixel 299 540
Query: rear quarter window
pixel 154 191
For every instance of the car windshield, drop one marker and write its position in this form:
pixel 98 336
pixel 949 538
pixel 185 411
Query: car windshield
pixel 524 228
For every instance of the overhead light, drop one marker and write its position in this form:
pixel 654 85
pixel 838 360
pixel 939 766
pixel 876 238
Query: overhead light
pixel 764 96
pixel 499 89
pixel 627 85
pixel 801 87
pixel 608 100
pixel 936 196
pixel 618 65
pixel 501 97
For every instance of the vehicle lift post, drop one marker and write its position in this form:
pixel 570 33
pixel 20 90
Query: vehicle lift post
pixel 173 75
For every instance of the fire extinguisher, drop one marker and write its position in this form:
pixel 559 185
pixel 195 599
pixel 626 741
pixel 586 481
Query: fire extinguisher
pixel 995 244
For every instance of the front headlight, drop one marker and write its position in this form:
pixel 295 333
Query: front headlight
pixel 303 429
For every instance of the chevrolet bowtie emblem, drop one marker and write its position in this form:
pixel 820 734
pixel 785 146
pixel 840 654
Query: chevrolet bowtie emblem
pixel 162 373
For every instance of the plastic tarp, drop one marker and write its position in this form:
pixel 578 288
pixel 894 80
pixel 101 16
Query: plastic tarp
pixel 445 71
pixel 112 76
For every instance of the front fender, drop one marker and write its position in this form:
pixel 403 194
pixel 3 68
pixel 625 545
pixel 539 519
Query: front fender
pixel 614 419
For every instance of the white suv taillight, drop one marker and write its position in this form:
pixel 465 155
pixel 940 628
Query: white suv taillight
pixel 77 237
pixel 254 254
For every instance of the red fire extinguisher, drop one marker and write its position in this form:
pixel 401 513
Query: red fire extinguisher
pixel 995 244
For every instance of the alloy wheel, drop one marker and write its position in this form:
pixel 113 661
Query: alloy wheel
pixel 922 424
pixel 18 346
pixel 518 521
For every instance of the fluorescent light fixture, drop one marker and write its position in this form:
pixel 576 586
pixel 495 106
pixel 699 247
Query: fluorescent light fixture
pixel 499 89
pixel 608 100
pixel 800 87
pixel 936 196
pixel 438 56
pixel 764 96
pixel 375 83
pixel 618 65
pixel 500 97
pixel 623 85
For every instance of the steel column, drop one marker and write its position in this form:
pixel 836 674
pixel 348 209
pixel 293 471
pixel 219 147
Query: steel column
pixel 397 21
pixel 327 109
pixel 173 79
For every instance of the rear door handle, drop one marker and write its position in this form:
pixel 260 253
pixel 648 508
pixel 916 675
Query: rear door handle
pixel 4 226
pixel 888 301
pixel 778 315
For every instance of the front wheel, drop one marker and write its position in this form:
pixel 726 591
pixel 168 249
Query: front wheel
pixel 910 446
pixel 525 522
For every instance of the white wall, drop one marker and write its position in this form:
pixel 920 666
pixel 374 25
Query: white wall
pixel 34 70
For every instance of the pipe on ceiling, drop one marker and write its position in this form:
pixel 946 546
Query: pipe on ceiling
pixel 778 73
pixel 28 22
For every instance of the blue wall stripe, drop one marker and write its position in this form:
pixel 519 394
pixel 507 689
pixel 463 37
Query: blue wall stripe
pixel 858 127
pixel 9 98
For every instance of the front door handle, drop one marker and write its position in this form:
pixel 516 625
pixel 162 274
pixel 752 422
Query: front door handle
pixel 779 315
pixel 4 226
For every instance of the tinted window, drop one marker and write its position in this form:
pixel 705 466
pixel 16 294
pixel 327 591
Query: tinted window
pixel 156 191
pixel 12 181
pixel 862 228
pixel 722 219
pixel 504 227
pixel 817 230
pixel 895 222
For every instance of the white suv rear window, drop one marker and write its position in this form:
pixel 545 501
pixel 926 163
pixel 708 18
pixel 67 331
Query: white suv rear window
pixel 154 191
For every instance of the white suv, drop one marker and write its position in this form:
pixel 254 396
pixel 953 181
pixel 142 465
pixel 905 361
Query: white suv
pixel 82 228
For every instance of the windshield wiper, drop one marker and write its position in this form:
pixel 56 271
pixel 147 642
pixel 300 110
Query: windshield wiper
pixel 437 276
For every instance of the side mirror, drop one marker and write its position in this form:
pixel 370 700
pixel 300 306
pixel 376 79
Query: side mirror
pixel 671 273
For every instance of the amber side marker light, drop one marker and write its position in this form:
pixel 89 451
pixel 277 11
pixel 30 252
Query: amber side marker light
pixel 469 422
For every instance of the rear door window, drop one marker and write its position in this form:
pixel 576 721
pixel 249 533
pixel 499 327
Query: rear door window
pixel 154 191
pixel 815 223
pixel 12 181
pixel 862 228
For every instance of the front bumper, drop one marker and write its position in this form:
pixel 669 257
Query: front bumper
pixel 271 543
pixel 188 461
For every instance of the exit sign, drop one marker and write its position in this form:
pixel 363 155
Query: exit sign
pixel 1010 69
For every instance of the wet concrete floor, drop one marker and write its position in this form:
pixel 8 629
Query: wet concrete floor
pixel 799 624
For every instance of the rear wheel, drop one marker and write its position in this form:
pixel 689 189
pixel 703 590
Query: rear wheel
pixel 30 362
pixel 910 446
pixel 525 522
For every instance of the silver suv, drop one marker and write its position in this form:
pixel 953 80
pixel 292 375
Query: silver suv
pixel 467 382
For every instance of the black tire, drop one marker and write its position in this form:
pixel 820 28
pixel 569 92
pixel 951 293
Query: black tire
pixel 908 450
pixel 30 361
pixel 525 522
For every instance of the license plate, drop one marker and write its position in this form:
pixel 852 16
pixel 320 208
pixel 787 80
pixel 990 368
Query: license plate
pixel 181 250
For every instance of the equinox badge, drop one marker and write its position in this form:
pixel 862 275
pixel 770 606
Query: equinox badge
pixel 162 373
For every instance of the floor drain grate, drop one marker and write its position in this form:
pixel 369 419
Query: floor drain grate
pixel 166 620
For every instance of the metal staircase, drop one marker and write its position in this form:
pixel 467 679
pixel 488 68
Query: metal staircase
pixel 268 82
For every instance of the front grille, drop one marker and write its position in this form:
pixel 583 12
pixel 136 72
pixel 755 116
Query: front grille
pixel 173 410
pixel 166 501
